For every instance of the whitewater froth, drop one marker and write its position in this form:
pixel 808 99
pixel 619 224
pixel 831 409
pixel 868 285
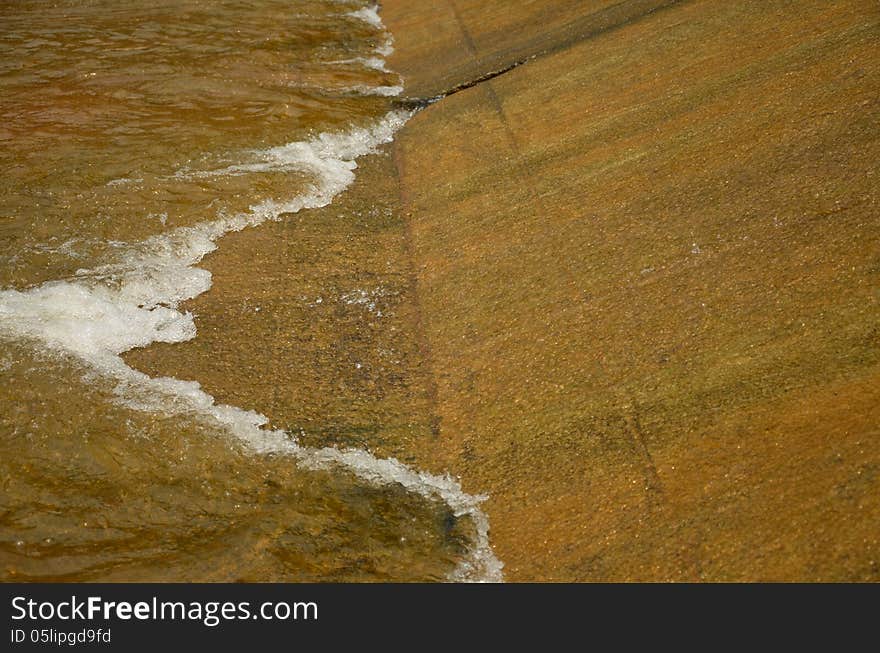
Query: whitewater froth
pixel 132 301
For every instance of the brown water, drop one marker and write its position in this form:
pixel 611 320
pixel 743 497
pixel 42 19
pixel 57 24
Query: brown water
pixel 134 136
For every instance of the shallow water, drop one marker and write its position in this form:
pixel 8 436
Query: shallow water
pixel 134 136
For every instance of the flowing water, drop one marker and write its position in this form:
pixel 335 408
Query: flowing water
pixel 133 137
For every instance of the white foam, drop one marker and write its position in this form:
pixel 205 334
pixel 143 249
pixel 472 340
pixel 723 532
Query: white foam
pixel 384 91
pixel 142 392
pixel 373 63
pixel 387 48
pixel 92 322
pixel 124 180
pixel 329 157
pixel 360 89
pixel 132 302
pixel 369 15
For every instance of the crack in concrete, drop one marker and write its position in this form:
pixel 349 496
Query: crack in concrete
pixel 606 24
pixel 418 103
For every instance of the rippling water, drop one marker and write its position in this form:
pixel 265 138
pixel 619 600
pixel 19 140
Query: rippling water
pixel 134 136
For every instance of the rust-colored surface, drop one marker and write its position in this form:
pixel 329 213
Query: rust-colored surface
pixel 311 322
pixel 450 42
pixel 628 289
pixel 648 273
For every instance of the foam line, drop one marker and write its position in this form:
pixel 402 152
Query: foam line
pixel 369 15
pixel 385 91
pixel 372 63
pixel 133 301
